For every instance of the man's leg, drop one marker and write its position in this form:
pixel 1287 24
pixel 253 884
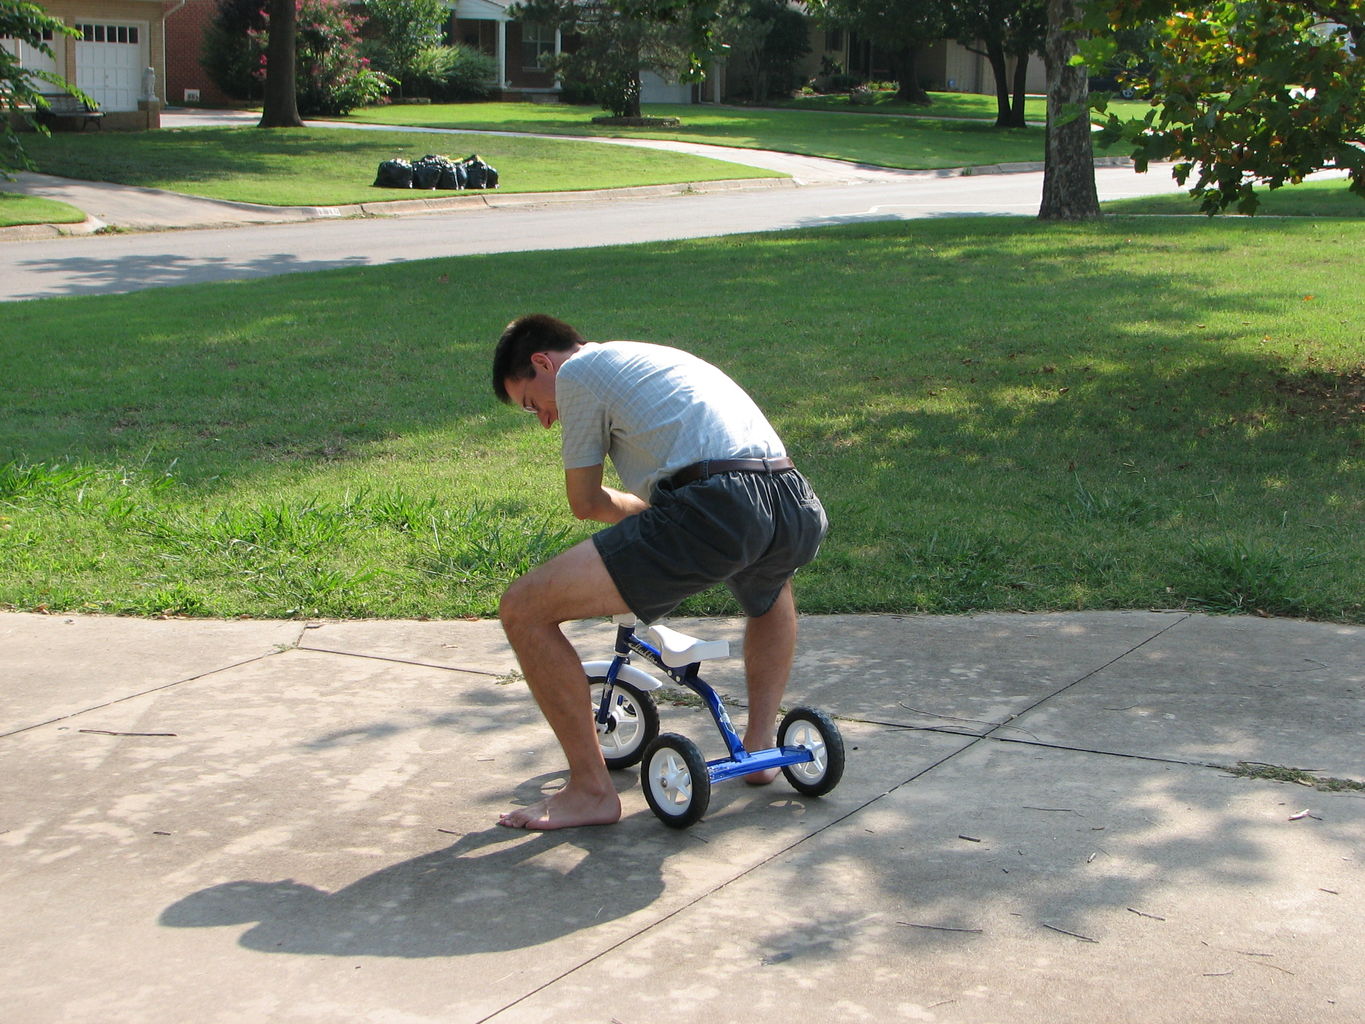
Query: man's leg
pixel 769 650
pixel 573 585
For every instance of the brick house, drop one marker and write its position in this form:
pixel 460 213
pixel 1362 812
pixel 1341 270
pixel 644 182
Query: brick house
pixel 186 81
pixel 119 43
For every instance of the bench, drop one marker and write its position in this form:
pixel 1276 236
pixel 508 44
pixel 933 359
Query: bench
pixel 62 106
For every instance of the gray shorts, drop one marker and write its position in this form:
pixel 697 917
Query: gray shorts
pixel 750 531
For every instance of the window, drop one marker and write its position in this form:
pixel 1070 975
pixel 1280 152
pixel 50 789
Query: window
pixel 108 33
pixel 537 43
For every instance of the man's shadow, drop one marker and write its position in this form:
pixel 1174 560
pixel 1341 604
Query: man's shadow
pixel 494 890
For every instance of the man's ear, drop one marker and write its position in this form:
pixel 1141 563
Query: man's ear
pixel 542 362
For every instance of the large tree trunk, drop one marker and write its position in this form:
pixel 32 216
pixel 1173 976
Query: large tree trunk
pixel 907 75
pixel 1069 167
pixel 281 108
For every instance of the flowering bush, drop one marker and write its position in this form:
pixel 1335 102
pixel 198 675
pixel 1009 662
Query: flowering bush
pixel 331 76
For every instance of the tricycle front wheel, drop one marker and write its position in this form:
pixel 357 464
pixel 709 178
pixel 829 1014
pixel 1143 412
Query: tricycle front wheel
pixel 632 722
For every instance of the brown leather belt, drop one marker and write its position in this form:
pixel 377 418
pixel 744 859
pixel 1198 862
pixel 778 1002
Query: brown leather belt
pixel 710 467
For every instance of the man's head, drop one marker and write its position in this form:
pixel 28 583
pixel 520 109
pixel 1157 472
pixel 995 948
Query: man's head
pixel 523 338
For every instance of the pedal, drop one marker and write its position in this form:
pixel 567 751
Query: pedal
pixel 680 650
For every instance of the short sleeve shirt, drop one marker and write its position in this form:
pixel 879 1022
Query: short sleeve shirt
pixel 653 410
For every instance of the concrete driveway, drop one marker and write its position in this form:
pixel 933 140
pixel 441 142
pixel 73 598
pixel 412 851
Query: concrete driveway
pixel 283 821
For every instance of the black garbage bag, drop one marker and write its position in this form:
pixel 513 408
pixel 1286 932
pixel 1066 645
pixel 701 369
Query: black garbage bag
pixel 452 176
pixel 394 174
pixel 478 173
pixel 426 173
pixel 475 171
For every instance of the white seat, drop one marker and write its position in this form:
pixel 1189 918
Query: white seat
pixel 680 650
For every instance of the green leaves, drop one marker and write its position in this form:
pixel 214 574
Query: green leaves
pixel 1246 94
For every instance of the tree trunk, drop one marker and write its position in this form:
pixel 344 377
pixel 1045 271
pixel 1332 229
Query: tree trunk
pixel 1018 119
pixel 633 100
pixel 1069 166
pixel 995 56
pixel 281 109
pixel 907 76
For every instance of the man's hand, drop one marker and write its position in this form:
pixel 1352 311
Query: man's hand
pixel 589 498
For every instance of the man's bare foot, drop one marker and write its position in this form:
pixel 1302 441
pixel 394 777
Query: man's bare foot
pixel 766 776
pixel 565 809
pixel 762 778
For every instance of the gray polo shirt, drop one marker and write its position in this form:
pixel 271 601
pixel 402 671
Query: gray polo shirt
pixel 653 410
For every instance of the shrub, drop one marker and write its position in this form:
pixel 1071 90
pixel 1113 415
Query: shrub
pixel 454 73
pixel 403 33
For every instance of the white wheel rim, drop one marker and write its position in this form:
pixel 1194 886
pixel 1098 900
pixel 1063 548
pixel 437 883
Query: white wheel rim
pixel 669 780
pixel 629 725
pixel 807 736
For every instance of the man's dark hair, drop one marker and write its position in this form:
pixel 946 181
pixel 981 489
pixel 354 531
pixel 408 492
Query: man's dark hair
pixel 523 338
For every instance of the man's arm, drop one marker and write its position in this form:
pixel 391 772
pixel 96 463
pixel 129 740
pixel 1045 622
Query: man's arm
pixel 589 498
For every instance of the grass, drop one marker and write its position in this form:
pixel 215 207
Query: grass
pixel 1180 425
pixel 1309 199
pixel 328 166
pixel 908 142
pixel 945 105
pixel 1297 776
pixel 16 209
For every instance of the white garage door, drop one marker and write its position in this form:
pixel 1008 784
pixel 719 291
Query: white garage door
pixel 33 58
pixel 110 59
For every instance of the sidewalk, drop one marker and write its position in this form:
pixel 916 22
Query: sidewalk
pixel 282 821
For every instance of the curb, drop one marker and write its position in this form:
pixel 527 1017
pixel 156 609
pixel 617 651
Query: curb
pixel 482 200
pixel 39 232
pixel 470 200
pixel 498 200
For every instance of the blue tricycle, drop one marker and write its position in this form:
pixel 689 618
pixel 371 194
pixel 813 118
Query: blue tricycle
pixel 675 777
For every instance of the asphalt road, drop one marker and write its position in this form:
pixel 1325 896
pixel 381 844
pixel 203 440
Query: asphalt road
pixel 824 193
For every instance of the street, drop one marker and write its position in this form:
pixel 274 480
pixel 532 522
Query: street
pixel 822 193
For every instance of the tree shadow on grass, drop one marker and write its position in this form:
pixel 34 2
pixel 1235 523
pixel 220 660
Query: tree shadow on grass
pixel 913 368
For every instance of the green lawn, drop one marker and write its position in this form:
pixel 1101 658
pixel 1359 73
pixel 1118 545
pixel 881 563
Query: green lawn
pixel 17 209
pixel 328 167
pixel 945 104
pixel 1309 199
pixel 331 166
pixel 916 143
pixel 999 414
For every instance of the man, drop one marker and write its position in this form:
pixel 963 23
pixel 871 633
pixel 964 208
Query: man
pixel 710 497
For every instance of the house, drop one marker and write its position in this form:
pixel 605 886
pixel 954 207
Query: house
pixel 518 48
pixel 944 66
pixel 118 57
pixel 186 81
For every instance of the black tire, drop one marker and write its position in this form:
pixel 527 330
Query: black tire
pixel 676 783
pixel 632 722
pixel 815 730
